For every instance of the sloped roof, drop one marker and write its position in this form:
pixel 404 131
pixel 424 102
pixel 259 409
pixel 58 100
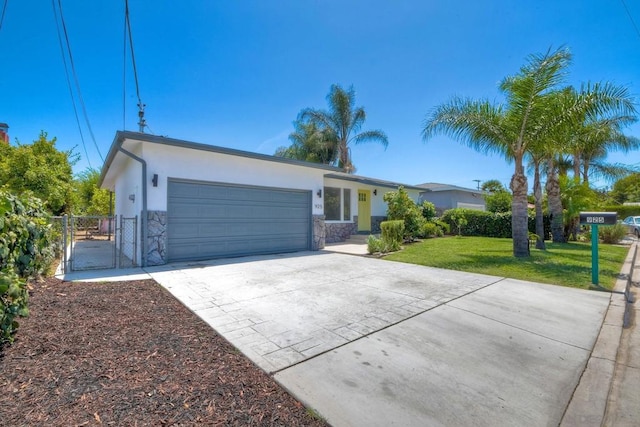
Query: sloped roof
pixel 369 181
pixel 435 186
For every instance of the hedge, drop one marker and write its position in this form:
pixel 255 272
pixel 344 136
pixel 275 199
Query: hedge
pixel 26 251
pixel 489 224
pixel 623 210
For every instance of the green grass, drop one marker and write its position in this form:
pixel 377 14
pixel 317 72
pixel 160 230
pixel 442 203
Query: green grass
pixel 567 264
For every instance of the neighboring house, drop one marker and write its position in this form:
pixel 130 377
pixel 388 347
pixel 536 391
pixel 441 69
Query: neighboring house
pixel 445 196
pixel 198 201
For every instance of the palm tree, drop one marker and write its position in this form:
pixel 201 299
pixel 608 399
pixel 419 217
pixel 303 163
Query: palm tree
pixel 584 123
pixel 343 122
pixel 535 162
pixel 310 143
pixel 507 129
pixel 595 140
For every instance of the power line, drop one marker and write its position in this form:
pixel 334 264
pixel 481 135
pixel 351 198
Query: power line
pixel 4 9
pixel 66 72
pixel 141 106
pixel 75 77
pixel 631 18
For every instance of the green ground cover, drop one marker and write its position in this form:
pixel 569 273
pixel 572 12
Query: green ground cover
pixel 567 264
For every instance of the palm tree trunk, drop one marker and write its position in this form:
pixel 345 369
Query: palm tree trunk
pixel 555 203
pixel 537 192
pixel 576 165
pixel 585 172
pixel 519 215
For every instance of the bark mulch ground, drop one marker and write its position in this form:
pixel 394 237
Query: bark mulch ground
pixel 128 353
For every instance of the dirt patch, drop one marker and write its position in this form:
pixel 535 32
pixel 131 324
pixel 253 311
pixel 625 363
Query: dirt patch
pixel 128 353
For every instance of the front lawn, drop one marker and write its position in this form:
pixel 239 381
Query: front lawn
pixel 566 264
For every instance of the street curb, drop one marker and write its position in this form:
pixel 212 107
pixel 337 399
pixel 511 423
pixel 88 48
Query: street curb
pixel 588 403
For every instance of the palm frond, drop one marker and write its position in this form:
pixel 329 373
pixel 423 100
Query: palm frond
pixel 611 172
pixel 372 136
pixel 478 124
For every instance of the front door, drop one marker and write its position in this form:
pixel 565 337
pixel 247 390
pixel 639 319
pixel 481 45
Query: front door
pixel 364 210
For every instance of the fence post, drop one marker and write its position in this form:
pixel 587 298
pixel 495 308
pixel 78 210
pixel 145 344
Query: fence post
pixel 64 243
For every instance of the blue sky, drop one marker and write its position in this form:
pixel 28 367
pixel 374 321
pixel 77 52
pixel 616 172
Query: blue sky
pixel 236 73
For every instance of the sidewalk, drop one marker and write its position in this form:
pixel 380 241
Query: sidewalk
pixel 607 394
pixel 623 406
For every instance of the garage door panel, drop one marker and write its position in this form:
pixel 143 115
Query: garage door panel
pixel 212 220
pixel 232 247
pixel 193 231
pixel 239 210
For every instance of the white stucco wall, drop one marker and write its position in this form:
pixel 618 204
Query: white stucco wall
pixel 129 182
pixel 378 205
pixel 176 162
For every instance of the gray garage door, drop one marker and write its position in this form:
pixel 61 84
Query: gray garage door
pixel 215 220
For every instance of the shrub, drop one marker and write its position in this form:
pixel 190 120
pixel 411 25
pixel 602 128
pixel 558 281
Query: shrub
pixel 459 220
pixel 401 207
pixel 26 251
pixel 14 298
pixel 443 226
pixel 431 229
pixel 611 234
pixel 500 201
pixel 392 234
pixel 428 211
pixel 374 245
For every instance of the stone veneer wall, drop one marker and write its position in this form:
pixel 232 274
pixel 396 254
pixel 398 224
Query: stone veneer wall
pixel 156 238
pixel 319 233
pixel 375 223
pixel 340 231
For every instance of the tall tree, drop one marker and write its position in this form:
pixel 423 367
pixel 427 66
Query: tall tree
pixel 536 156
pixel 580 119
pixel 626 189
pixel 342 122
pixel 41 170
pixel 492 186
pixel 507 128
pixel 90 199
pixel 595 140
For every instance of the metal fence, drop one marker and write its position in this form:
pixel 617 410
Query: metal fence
pixel 95 242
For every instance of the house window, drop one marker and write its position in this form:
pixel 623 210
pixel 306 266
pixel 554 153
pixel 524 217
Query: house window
pixel 332 203
pixel 337 204
pixel 346 204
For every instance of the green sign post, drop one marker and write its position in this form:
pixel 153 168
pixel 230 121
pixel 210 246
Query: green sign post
pixel 594 219
pixel 594 254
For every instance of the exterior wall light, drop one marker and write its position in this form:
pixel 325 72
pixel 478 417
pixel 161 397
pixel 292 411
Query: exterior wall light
pixel 375 191
pixel 319 194
pixel 132 197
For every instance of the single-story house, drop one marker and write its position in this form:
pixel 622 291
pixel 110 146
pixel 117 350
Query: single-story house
pixel 198 201
pixel 445 196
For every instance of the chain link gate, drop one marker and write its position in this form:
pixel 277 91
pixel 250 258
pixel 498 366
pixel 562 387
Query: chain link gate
pixel 95 242
pixel 128 243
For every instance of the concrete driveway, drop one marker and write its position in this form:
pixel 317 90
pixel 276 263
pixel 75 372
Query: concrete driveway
pixel 370 342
